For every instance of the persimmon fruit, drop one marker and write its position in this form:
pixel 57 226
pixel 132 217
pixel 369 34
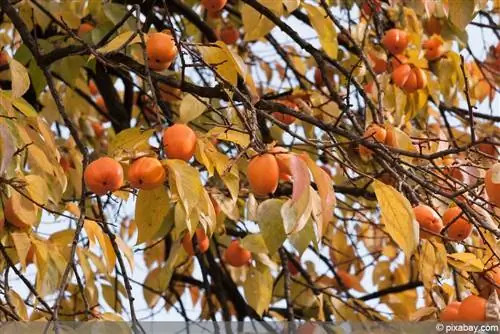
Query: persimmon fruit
pixel 263 174
pixel 428 219
pixel 179 142
pixel 460 227
pixel 85 28
pixel 397 60
pixel 229 34
pixel 236 255
pixel 283 158
pixel 146 173
pixel 203 243
pixel 395 41
pixel 450 312
pixel 433 48
pixel 408 78
pixel 285 118
pixel 472 308
pixel 160 48
pixel 213 6
pixel 103 175
pixel 492 188
pixel 375 132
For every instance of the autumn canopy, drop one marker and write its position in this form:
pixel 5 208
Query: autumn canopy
pixel 312 160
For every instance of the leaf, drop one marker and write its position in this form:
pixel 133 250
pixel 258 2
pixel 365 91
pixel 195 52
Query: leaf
pixel 325 189
pixel 22 243
pixel 7 147
pixel 20 78
pixel 397 217
pixel 185 181
pixel 300 175
pixel 112 298
pixel 154 282
pixel 271 224
pixel 130 140
pixel 254 243
pixel 18 304
pixel 296 214
pixel 151 209
pixel 291 5
pixel 238 137
pixel 119 42
pixel 325 28
pixel 466 261
pixel 26 210
pixel 461 13
pixel 258 288
pixel 224 61
pixel 37 189
pixel 426 263
pixel 126 250
pixel 191 108
pixel 221 162
pixel 257 25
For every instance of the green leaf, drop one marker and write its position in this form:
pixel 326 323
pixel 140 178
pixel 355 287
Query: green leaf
pixel 325 28
pixel 271 224
pixel 254 243
pixel 398 217
pixel 191 108
pixel 461 13
pixel 258 288
pixel 37 78
pixel 151 209
pixel 20 78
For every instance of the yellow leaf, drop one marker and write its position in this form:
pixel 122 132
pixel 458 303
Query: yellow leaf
pixel 257 25
pixel 119 41
pixel 26 210
pixel 18 303
pixel 20 78
pixel 258 288
pixel 154 282
pixel 466 261
pixel 185 181
pixel 426 263
pixel 254 243
pixel 191 108
pixel 130 140
pixel 227 64
pixel 112 298
pixel 271 224
pixel 37 189
pixel 325 29
pixel 151 209
pixel 461 13
pixel 291 5
pixel 127 251
pixel 62 238
pixel 230 176
pixel 22 243
pixel 238 137
pixel 398 217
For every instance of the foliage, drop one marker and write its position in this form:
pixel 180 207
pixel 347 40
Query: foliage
pixel 334 234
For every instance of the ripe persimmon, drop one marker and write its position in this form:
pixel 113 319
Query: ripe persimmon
pixel 409 78
pixel 379 65
pixel 472 308
pixel 460 227
pixel 160 48
pixel 236 255
pixel 213 6
pixel 395 41
pixel 375 132
pixel 285 118
pixel 98 129
pixel 493 188
pixel 103 175
pixel 229 34
pixel 202 242
pixel 283 158
pixel 397 60
pixel 433 48
pixel 169 94
pixel 450 312
pixel 101 104
pixel 179 142
pixel 263 174
pixel 84 28
pixel 93 88
pixel 146 173
pixel 428 219
pixel 4 58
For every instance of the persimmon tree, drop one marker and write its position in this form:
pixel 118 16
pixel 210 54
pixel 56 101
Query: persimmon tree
pixel 249 159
